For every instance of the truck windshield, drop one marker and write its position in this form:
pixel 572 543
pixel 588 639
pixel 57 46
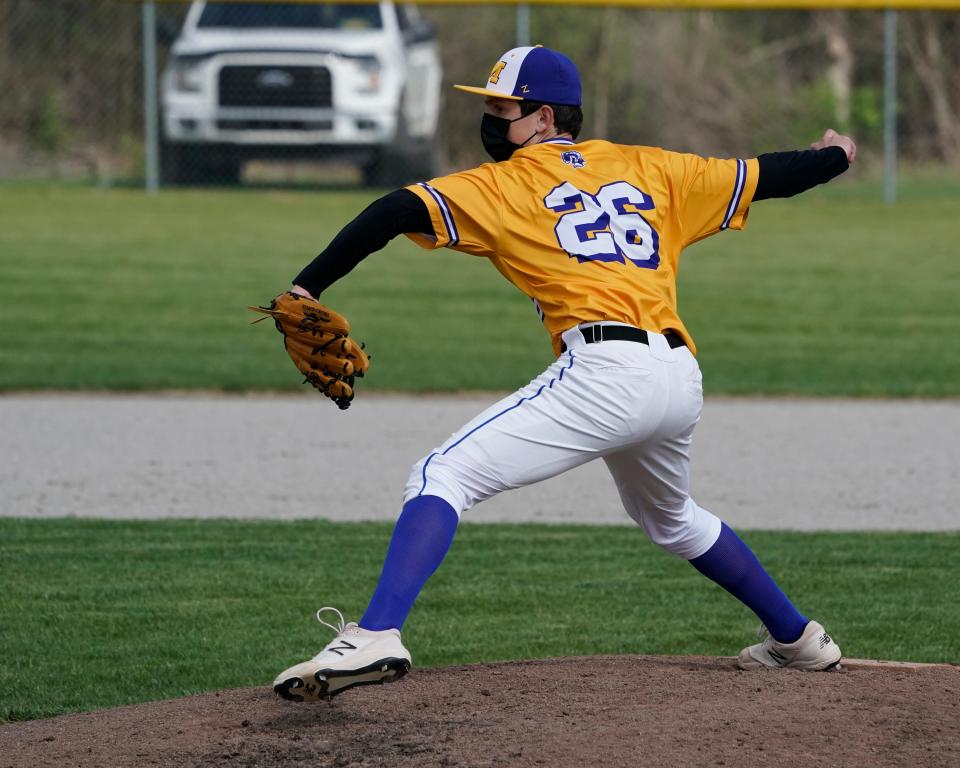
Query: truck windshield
pixel 291 16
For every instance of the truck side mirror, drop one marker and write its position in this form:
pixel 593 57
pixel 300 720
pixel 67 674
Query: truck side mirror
pixel 421 32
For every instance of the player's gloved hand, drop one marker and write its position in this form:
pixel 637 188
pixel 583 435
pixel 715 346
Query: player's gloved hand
pixel 318 341
pixel 831 138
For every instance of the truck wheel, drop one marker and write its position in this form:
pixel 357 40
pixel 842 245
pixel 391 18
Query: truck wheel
pixel 192 165
pixel 222 172
pixel 405 161
pixel 388 166
pixel 426 160
pixel 373 170
pixel 171 164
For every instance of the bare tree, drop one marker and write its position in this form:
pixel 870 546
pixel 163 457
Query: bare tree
pixel 603 73
pixel 937 72
pixel 834 27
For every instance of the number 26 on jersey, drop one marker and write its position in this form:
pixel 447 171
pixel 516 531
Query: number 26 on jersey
pixel 606 226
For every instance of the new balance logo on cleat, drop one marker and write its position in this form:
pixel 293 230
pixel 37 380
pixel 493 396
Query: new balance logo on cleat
pixel 344 646
pixel 824 641
pixel 776 656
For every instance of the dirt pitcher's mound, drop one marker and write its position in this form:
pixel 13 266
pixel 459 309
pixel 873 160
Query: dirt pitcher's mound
pixel 598 711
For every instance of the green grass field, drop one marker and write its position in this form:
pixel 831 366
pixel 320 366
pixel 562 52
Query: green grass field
pixel 99 613
pixel 831 293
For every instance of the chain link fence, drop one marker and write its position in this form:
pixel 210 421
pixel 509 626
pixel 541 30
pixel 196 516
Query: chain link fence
pixel 358 94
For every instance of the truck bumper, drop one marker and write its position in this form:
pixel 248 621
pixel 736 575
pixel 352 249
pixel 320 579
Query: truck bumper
pixel 275 127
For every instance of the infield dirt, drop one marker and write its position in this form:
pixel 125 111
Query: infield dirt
pixel 598 711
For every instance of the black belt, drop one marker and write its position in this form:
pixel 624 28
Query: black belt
pixel 599 332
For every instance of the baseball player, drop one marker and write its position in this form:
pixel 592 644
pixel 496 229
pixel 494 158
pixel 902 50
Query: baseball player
pixel 592 233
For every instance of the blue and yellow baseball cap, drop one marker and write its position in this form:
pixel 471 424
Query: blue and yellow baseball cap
pixel 535 73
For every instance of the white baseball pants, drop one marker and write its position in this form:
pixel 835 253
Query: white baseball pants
pixel 634 405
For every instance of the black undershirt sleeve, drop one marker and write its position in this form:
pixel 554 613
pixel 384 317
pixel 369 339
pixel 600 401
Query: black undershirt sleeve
pixel 785 174
pixel 400 211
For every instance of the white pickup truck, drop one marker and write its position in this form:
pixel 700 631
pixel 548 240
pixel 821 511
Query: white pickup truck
pixel 301 81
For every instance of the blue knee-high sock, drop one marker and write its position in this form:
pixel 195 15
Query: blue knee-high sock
pixel 732 565
pixel 421 539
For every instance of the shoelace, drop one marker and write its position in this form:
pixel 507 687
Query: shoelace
pixel 341 624
pixel 762 632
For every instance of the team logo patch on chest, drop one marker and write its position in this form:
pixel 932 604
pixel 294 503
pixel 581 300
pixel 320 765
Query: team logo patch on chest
pixel 574 158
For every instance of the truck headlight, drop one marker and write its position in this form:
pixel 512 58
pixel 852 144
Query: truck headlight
pixel 186 76
pixel 368 68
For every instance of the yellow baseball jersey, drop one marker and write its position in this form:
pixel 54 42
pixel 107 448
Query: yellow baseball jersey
pixel 590 231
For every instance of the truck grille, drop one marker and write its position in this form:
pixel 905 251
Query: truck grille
pixel 275 125
pixel 283 86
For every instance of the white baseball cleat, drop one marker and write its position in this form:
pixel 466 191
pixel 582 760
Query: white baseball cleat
pixel 356 656
pixel 813 651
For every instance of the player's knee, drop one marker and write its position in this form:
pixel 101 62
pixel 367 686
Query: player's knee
pixel 686 531
pixel 432 477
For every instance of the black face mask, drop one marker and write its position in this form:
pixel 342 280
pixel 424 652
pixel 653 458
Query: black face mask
pixel 493 134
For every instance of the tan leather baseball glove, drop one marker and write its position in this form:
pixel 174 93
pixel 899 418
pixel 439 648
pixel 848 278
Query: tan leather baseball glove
pixel 318 341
